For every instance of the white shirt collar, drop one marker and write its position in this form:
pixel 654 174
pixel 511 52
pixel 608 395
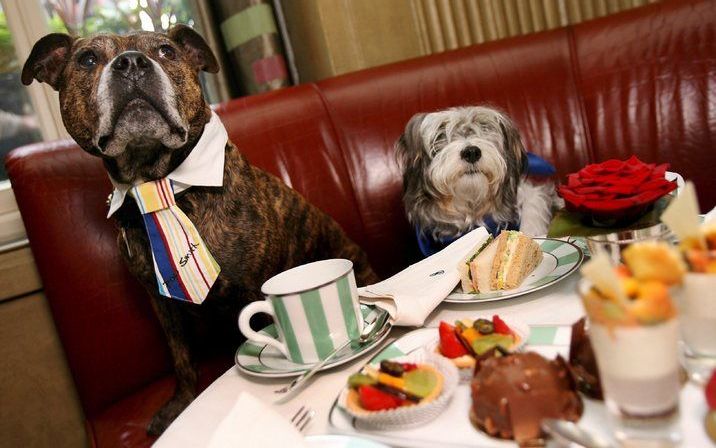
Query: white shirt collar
pixel 204 166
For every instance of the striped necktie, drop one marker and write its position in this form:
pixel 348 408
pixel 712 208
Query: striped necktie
pixel 184 267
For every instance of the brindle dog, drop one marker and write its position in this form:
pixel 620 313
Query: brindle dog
pixel 135 101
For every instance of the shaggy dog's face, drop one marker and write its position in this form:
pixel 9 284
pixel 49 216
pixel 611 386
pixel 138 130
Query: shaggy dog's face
pixel 459 165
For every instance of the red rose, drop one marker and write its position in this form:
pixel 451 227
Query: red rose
pixel 615 189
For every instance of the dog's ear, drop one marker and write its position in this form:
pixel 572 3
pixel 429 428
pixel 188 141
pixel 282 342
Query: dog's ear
pixel 409 147
pixel 195 47
pixel 48 59
pixel 513 143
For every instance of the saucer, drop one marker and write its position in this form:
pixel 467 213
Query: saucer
pixel 264 361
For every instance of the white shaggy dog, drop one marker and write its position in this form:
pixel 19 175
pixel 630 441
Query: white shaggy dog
pixel 466 167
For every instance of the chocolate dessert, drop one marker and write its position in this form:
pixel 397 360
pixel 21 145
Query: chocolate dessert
pixel 583 362
pixel 512 394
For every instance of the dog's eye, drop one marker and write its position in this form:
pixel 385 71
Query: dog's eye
pixel 167 52
pixel 88 59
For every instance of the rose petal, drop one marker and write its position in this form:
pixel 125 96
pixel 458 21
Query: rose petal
pixel 609 206
pixel 611 165
pixel 573 181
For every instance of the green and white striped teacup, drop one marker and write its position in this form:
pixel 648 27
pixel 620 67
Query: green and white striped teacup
pixel 315 309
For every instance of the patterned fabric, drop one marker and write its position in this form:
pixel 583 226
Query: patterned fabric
pixel 184 267
pixel 253 44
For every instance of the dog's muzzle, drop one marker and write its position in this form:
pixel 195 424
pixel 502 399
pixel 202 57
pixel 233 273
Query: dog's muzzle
pixel 130 83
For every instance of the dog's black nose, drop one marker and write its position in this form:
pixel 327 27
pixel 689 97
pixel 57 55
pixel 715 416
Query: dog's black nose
pixel 131 64
pixel 471 154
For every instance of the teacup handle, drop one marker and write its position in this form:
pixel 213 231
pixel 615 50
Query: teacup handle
pixel 261 306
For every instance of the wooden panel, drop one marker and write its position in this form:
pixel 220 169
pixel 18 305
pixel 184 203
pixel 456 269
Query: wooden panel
pixel 18 275
pixel 331 37
pixel 39 405
pixel 303 22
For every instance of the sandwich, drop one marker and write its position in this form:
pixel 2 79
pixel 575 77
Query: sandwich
pixel 500 263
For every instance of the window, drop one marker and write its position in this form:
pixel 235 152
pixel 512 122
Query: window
pixel 18 123
pixel 84 17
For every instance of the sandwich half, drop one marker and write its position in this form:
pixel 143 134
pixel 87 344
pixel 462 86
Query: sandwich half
pixel 502 263
pixel 468 279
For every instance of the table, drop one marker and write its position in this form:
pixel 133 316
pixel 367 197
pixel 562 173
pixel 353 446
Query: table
pixel 555 305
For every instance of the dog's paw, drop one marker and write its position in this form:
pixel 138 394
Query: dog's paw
pixel 166 415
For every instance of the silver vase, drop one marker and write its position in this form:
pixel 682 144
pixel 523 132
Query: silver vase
pixel 613 243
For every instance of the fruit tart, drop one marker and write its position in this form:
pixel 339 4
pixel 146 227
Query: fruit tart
pixel 400 392
pixel 467 341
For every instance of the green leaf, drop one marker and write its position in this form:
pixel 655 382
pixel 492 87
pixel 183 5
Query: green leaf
pixel 566 223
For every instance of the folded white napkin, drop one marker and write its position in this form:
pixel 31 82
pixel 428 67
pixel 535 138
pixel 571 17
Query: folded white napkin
pixel 251 422
pixel 413 293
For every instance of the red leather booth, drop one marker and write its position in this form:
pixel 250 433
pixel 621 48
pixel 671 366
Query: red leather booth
pixel 642 82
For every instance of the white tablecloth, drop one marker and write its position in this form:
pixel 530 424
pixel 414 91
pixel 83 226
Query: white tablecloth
pixel 555 305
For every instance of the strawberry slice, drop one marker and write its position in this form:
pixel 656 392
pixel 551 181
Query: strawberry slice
pixel 500 326
pixel 711 392
pixel 450 345
pixel 373 399
pixel 408 366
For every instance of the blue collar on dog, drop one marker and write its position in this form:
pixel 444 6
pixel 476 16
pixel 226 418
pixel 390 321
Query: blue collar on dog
pixel 536 166
pixel 430 245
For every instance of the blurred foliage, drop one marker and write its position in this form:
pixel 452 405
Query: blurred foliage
pixel 86 17
pixel 108 16
pixel 8 60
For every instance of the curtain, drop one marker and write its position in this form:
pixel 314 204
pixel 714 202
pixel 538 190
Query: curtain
pixel 449 24
pixel 254 52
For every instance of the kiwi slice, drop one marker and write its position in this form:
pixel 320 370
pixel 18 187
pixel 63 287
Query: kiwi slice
pixel 484 343
pixel 420 382
pixel 358 379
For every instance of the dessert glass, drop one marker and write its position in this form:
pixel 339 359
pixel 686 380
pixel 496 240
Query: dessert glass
pixel 697 313
pixel 639 369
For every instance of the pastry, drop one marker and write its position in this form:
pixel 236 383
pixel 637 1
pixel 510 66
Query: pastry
pixel 392 386
pixel 583 363
pixel 469 340
pixel 512 394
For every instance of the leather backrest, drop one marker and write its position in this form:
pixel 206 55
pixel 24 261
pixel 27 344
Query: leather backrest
pixel 289 134
pixel 648 80
pixel 111 337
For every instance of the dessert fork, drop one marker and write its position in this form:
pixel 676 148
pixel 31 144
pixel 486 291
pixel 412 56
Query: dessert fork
pixel 302 417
